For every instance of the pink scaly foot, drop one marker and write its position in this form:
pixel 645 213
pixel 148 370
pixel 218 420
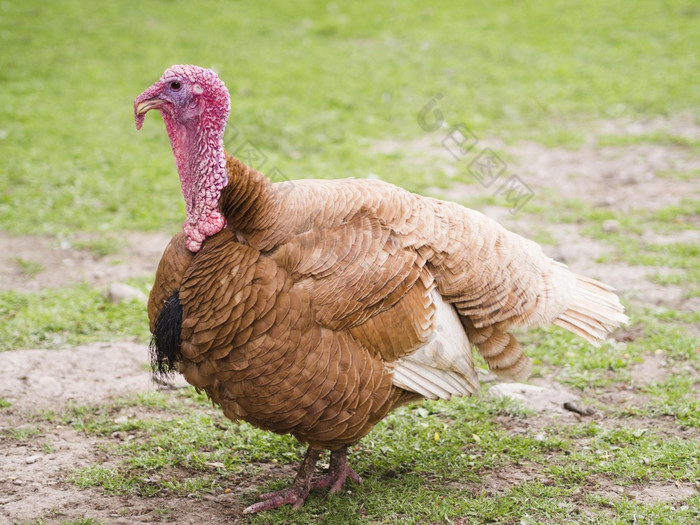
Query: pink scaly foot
pixel 294 495
pixel 338 472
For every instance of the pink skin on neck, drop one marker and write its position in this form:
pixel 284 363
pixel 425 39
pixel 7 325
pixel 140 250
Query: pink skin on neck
pixel 196 137
pixel 201 164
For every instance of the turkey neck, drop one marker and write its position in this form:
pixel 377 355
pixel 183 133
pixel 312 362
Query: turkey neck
pixel 219 190
pixel 200 160
pixel 249 201
pixel 201 165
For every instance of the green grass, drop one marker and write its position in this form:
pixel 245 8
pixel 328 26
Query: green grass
pixel 22 433
pixel 41 319
pixel 313 86
pixel 27 267
pixel 423 463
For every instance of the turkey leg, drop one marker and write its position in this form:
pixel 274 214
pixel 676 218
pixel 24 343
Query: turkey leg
pixel 294 495
pixel 338 472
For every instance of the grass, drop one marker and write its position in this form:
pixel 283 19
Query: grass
pixel 316 87
pixel 70 154
pixel 41 319
pixel 21 433
pixel 27 267
pixel 423 463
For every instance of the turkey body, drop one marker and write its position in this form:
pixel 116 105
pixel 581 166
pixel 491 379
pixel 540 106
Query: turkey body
pixel 315 307
pixel 324 305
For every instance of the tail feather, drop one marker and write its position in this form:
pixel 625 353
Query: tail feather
pixel 501 351
pixel 594 311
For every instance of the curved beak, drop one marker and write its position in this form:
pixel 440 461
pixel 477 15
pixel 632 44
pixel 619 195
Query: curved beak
pixel 145 106
pixel 146 101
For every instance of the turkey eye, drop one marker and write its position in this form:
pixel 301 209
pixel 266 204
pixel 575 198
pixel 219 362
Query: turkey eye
pixel 175 86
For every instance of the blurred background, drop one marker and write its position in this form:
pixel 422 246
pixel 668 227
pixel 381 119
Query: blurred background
pixel 315 85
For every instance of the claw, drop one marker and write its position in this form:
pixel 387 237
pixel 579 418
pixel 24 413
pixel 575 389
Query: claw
pixel 293 496
pixel 338 472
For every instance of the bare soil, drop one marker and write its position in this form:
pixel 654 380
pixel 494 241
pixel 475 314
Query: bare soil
pixel 58 263
pixel 33 480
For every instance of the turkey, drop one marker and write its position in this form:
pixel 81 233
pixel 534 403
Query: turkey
pixel 317 311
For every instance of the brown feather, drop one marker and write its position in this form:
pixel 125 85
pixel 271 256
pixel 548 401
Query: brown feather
pixel 295 315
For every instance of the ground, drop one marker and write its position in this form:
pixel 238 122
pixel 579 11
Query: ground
pixel 70 412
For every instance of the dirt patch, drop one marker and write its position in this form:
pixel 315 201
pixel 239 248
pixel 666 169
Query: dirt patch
pixel 668 493
pixel 622 178
pixel 508 478
pixel 540 395
pixel 652 370
pixel 36 456
pixel 649 494
pixel 46 496
pixel 38 379
pixel 32 262
pixel 685 125
pixel 583 255
pixel 58 505
pixel 32 472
